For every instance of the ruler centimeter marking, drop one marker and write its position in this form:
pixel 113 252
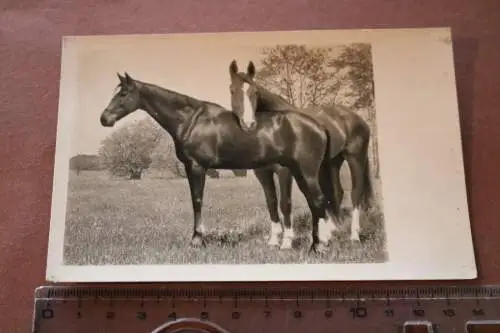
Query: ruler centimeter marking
pixel 144 309
pixel 457 292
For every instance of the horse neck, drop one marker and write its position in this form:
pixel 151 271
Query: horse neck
pixel 269 101
pixel 170 109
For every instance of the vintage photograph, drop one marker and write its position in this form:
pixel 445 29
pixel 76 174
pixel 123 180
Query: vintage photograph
pixel 256 156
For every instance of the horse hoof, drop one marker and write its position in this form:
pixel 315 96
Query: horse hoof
pixel 197 242
pixel 318 248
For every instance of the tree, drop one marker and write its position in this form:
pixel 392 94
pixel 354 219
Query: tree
pixel 302 76
pixel 356 62
pixel 82 162
pixel 165 158
pixel 356 67
pixel 127 151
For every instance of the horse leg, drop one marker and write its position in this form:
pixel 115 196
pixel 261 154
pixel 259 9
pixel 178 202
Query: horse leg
pixel 333 211
pixel 336 165
pixel 266 180
pixel 362 191
pixel 326 180
pixel 196 175
pixel 356 165
pixel 308 183
pixel 285 183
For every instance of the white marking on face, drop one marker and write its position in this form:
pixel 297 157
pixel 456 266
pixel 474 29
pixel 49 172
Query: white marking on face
pixel 355 225
pixel 248 114
pixel 324 231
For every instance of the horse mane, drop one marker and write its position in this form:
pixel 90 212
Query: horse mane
pixel 270 100
pixel 176 97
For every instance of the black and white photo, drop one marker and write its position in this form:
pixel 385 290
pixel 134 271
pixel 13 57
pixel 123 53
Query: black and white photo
pixel 245 156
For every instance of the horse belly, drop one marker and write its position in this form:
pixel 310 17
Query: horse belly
pixel 227 147
pixel 203 152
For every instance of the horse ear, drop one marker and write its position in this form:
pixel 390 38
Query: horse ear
pixel 233 68
pixel 120 77
pixel 251 69
pixel 129 81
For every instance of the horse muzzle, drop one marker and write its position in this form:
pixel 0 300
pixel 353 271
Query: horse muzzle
pixel 108 119
pixel 248 127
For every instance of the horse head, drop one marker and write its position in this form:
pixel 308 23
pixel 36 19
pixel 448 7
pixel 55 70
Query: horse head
pixel 124 102
pixel 243 95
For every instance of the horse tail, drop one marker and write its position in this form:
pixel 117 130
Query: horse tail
pixel 326 156
pixel 326 164
pixel 367 191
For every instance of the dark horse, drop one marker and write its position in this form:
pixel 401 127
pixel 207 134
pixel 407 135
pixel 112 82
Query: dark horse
pixel 207 136
pixel 349 135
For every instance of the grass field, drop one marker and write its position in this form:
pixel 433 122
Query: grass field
pixel 149 221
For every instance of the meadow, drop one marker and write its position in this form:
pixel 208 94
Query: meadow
pixel 150 221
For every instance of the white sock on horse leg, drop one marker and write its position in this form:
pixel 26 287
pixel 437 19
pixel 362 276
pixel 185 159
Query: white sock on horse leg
pixel 330 221
pixel 276 231
pixel 324 231
pixel 355 224
pixel 288 237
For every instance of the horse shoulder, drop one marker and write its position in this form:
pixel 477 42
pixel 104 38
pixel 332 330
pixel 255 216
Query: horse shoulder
pixel 208 123
pixel 184 132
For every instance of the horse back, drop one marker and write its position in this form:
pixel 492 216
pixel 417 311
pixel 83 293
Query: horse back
pixel 336 127
pixel 304 126
pixel 352 122
pixel 342 123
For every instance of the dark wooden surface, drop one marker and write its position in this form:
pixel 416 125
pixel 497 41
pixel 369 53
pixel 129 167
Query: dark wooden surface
pixel 30 32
